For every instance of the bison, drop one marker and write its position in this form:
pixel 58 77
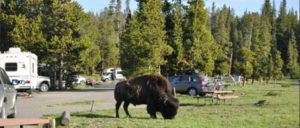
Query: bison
pixel 152 90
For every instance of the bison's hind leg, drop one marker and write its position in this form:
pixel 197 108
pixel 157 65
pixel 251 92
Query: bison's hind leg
pixel 125 106
pixel 118 104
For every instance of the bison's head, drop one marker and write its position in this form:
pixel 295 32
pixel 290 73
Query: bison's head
pixel 169 108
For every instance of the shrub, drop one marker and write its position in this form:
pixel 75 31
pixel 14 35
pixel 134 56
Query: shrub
pixel 272 93
pixel 286 85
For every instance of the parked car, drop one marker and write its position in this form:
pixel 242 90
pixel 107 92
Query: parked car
pixel 112 74
pixel 79 80
pixel 192 84
pixel 8 96
pixel 117 74
pixel 106 77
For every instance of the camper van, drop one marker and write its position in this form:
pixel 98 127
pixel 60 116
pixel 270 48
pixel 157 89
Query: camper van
pixel 23 67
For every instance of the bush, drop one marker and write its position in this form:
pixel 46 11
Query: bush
pixel 286 85
pixel 272 93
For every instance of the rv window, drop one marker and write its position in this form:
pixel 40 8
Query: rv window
pixel 32 67
pixel 11 67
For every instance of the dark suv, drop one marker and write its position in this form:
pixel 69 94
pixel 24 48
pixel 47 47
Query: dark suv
pixel 191 84
pixel 8 96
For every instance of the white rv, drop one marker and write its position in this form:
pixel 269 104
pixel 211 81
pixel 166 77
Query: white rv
pixel 23 67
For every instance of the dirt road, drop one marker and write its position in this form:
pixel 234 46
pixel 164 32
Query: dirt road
pixel 36 106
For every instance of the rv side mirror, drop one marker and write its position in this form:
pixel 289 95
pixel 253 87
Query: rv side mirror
pixel 15 82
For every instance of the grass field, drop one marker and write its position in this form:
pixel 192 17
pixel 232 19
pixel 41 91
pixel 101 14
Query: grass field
pixel 281 109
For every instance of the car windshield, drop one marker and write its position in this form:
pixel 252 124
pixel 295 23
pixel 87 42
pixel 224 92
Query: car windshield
pixel 4 77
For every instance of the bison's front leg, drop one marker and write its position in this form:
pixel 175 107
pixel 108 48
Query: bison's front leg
pixel 118 104
pixel 151 110
pixel 125 106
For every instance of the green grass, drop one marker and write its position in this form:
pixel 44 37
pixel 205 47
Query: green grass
pixel 88 102
pixel 278 111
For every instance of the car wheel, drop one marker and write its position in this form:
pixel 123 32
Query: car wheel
pixel 44 87
pixel 3 112
pixel 13 115
pixel 192 92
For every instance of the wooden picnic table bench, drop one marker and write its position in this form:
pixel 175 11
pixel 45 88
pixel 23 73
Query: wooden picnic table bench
pixel 219 95
pixel 46 123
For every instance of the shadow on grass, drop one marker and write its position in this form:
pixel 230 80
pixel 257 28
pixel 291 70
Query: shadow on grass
pixel 191 104
pixel 90 115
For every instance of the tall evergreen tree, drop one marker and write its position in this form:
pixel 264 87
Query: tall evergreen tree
pixel 174 33
pixel 292 62
pixel 61 28
pixel 221 36
pixel 282 32
pixel 199 44
pixel 145 45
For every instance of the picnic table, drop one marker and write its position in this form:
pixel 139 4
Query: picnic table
pixel 46 123
pixel 219 95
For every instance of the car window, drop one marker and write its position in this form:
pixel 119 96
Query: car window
pixel 174 79
pixel 184 78
pixel 4 77
pixel 195 79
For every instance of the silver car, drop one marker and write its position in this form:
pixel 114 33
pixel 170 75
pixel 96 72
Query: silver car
pixel 191 84
pixel 8 96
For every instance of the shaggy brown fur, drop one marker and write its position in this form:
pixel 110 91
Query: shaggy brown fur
pixel 153 90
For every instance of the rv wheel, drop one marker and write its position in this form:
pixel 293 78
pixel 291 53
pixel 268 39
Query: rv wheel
pixel 44 87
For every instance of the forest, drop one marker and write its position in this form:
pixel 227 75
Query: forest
pixel 160 36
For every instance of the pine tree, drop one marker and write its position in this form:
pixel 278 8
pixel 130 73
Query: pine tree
pixel 221 36
pixel 145 40
pixel 282 32
pixel 199 45
pixel 110 30
pixel 61 28
pixel 174 33
pixel 89 37
pixel 278 64
pixel 245 59
pixel 292 62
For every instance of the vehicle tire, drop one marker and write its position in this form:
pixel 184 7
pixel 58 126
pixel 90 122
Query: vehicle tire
pixel 192 92
pixel 44 87
pixel 105 80
pixel 3 112
pixel 13 115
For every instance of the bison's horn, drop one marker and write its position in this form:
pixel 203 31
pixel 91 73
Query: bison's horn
pixel 165 100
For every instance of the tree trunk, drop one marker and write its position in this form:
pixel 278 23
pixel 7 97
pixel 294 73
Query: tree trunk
pixel 65 118
pixel 55 76
pixel 230 64
pixel 61 70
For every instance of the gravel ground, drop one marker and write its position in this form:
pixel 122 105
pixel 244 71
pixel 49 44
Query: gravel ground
pixel 36 105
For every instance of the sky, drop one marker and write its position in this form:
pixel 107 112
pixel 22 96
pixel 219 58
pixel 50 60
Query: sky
pixel 239 6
